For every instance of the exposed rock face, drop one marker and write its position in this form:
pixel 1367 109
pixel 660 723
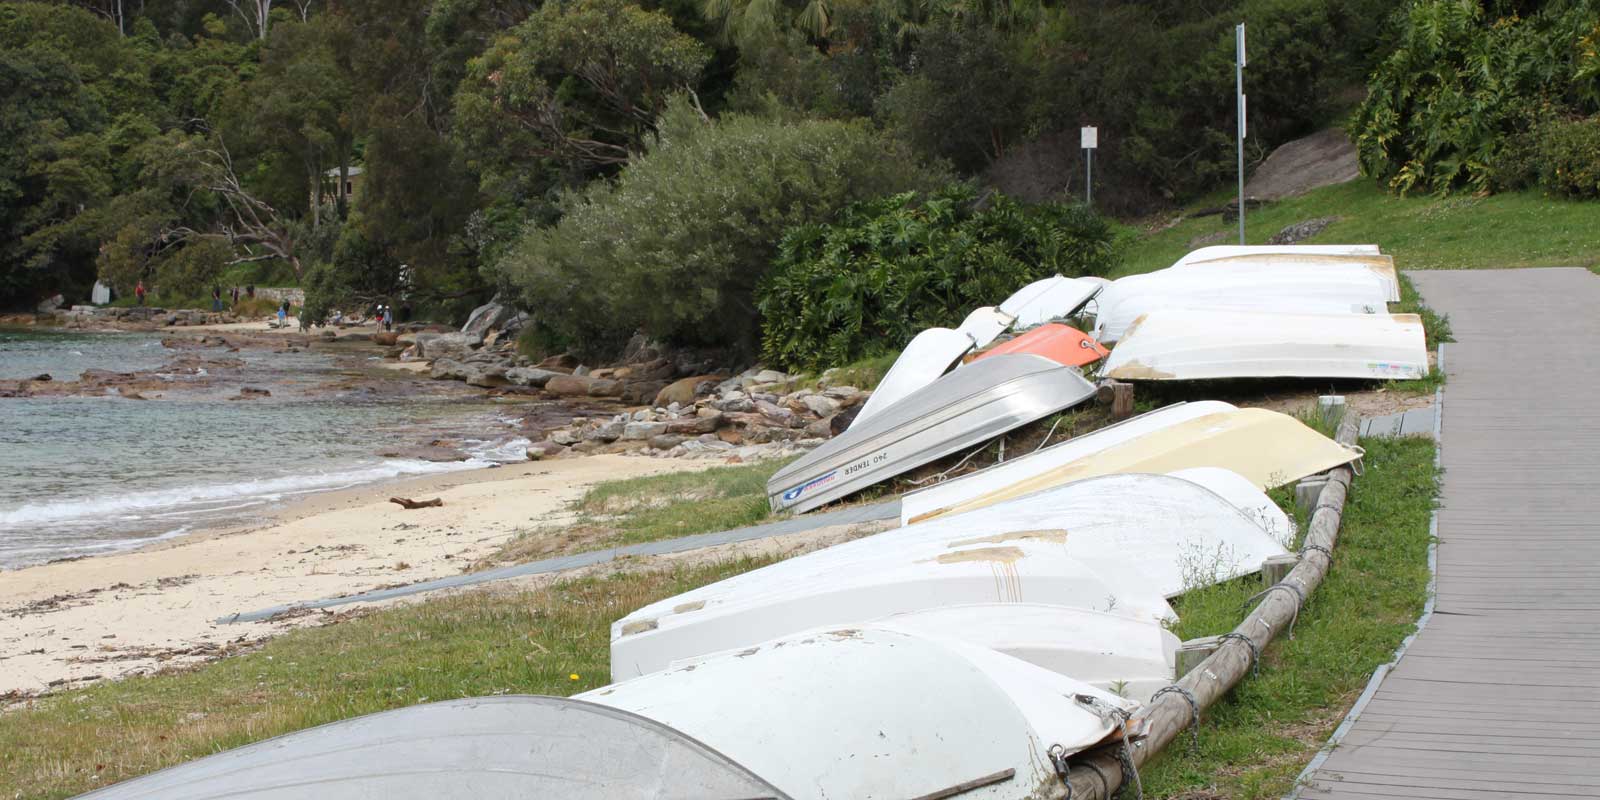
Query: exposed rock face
pixel 488 317
pixel 685 390
pixel 1300 231
pixel 530 376
pixel 455 346
pixel 486 375
pixel 569 385
pixel 1321 159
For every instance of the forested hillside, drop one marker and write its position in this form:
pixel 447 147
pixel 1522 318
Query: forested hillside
pixel 620 166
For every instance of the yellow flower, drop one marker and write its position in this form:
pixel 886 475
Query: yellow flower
pixel 573 676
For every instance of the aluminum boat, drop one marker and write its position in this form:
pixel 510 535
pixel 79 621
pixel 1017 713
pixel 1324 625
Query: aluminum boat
pixel 926 357
pixel 964 408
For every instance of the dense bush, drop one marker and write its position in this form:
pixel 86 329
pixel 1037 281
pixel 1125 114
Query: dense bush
pixel 1569 158
pixel 888 268
pixel 677 244
pixel 1455 100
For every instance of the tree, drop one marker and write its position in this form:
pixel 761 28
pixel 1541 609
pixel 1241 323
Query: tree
pixel 579 84
pixel 251 227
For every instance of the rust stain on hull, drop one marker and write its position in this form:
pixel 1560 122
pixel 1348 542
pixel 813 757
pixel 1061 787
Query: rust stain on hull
pixel 1057 535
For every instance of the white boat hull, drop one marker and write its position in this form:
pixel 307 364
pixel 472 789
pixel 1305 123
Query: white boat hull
pixel 872 712
pixel 1381 266
pixel 1177 344
pixel 1049 299
pixel 1220 251
pixel 926 357
pixel 1338 291
pixel 932 500
pixel 984 325
pixel 1245 496
pixel 963 409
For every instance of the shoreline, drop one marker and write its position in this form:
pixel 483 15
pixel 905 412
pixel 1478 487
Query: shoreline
pixel 71 622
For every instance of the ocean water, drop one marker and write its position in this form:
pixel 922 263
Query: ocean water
pixel 90 475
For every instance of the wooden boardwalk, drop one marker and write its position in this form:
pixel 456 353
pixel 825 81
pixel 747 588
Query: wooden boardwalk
pixel 1499 696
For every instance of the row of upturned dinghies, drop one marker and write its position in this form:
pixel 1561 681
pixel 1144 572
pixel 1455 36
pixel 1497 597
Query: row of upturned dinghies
pixel 1017 617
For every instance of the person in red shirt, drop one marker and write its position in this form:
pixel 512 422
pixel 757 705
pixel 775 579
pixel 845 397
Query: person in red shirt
pixel 138 291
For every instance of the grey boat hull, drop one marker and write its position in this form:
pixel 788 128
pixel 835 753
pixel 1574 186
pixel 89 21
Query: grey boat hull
pixel 488 747
pixel 973 404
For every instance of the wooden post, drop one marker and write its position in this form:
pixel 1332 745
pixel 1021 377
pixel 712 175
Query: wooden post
pixel 1195 651
pixel 1098 776
pixel 1121 400
pixel 1276 568
pixel 1308 491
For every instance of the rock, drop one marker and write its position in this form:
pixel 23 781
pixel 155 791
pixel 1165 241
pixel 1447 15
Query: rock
pixel 329 335
pixel 737 404
pixel 642 430
pixel 604 387
pixel 685 390
pixel 641 392
pixel 253 392
pixel 545 449
pixel 696 424
pixel 565 437
pixel 446 370
pixel 581 371
pixel 660 369
pixel 445 345
pixel 51 303
pixel 568 385
pixel 486 375
pixel 840 422
pixel 427 452
pixel 819 429
pixel 774 412
pixel 820 405
pixel 487 317
pixel 1301 231
pixel 42 377
pixel 565 362
pixel 640 349
pixel 667 441
pixel 840 392
pixel 385 338
pixel 1321 159
pixel 730 435
pixel 530 376
pixel 609 432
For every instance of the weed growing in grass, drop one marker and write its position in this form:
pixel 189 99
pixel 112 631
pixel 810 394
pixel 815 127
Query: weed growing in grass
pixel 553 640
pixel 1256 741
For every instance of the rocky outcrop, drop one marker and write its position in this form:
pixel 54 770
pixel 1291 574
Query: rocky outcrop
pixel 491 316
pixel 686 390
pixel 434 346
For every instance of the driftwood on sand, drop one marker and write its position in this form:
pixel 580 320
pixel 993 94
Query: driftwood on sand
pixel 409 504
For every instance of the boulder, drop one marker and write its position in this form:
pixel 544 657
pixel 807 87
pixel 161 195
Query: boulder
pixel 447 370
pixel 487 317
pixel 435 346
pixel 695 425
pixel 486 375
pixel 425 452
pixel 564 362
pixel 667 441
pixel 251 392
pixel 565 436
pixel 819 429
pixel 604 387
pixel 819 405
pixel 774 412
pixel 530 376
pixel 609 432
pixel 545 449
pixel 642 430
pixel 637 392
pixel 51 303
pixel 684 391
pixel 840 422
pixel 569 385
pixel 385 338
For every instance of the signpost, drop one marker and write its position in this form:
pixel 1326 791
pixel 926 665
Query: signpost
pixel 1238 74
pixel 1090 138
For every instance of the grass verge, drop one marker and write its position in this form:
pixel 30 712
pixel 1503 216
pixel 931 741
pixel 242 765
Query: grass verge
pixel 1255 742
pixel 481 643
pixel 1522 229
pixel 648 509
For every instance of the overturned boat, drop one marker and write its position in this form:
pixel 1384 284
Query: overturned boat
pixel 964 408
pixel 1221 251
pixel 1381 266
pixel 869 711
pixel 1119 543
pixel 1132 658
pixel 1056 297
pixel 512 746
pixel 1061 343
pixel 1267 448
pixel 937 499
pixel 985 324
pixel 1164 345
pixel 1334 291
pixel 926 357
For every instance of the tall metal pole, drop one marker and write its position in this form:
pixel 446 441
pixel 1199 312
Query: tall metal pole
pixel 1238 74
pixel 1088 174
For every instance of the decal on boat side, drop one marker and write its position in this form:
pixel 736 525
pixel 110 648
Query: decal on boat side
pixel 794 494
pixel 866 463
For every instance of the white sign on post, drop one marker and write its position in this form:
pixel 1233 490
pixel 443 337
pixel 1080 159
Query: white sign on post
pixel 1091 138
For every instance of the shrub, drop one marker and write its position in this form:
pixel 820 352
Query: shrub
pixel 1444 110
pixel 1569 158
pixel 677 244
pixel 889 268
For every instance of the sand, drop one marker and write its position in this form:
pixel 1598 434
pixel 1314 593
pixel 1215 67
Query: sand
pixel 71 622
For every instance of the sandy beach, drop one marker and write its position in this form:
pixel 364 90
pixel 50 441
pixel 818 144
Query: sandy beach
pixel 70 622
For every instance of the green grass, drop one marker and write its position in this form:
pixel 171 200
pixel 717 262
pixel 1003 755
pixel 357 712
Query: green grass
pixel 480 643
pixel 648 509
pixel 862 374
pixel 1524 229
pixel 1254 742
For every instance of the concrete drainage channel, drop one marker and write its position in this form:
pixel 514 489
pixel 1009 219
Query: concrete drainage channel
pixel 886 510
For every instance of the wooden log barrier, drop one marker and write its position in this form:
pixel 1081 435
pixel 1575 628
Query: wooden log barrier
pixel 1098 776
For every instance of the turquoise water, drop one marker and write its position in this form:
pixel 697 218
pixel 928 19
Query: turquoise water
pixel 81 476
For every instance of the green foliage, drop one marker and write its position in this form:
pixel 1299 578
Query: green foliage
pixel 889 268
pixel 193 270
pixel 1460 87
pixel 677 244
pixel 1569 153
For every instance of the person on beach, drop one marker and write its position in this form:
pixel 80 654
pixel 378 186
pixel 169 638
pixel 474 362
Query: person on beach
pixel 283 313
pixel 138 292
pixel 216 299
pixel 236 295
pixel 388 318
